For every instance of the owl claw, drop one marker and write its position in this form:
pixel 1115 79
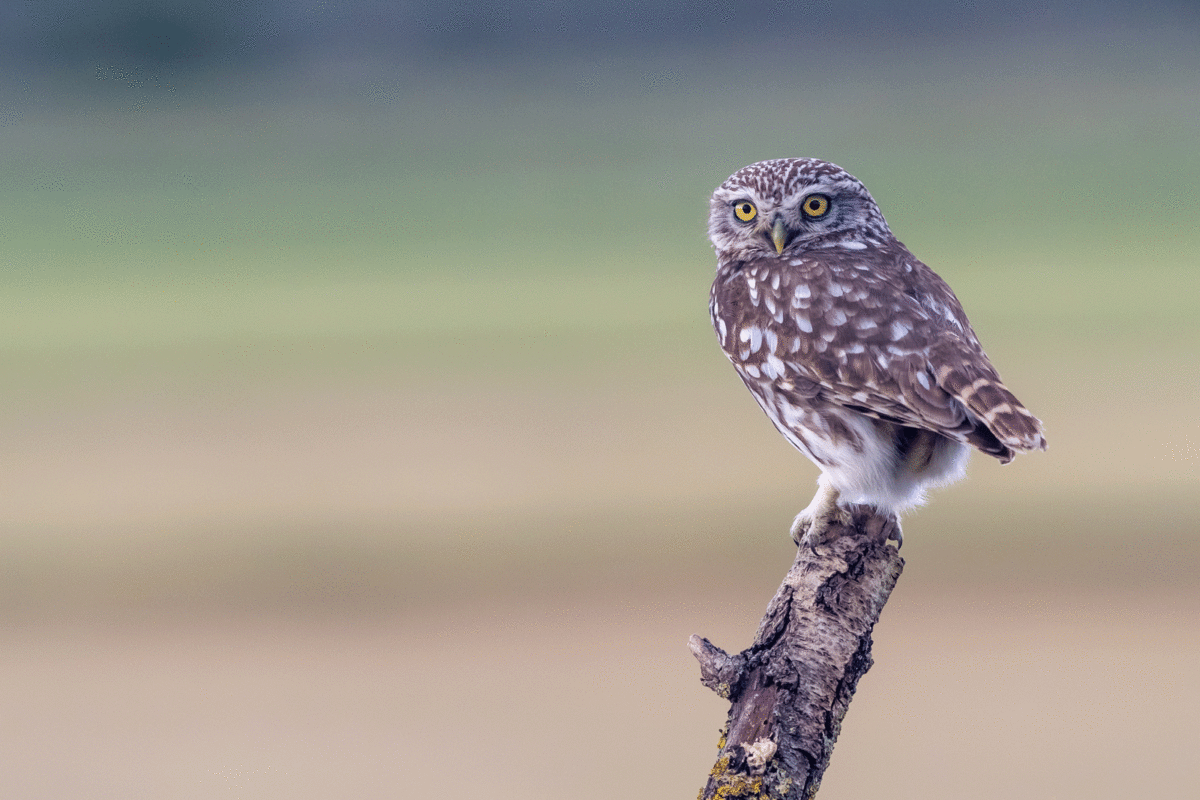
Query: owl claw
pixel 822 513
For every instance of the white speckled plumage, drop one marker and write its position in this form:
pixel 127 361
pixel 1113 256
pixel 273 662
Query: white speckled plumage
pixel 883 384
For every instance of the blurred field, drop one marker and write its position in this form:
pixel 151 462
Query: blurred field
pixel 364 433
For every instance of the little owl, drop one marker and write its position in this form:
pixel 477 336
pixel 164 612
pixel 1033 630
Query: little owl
pixel 860 354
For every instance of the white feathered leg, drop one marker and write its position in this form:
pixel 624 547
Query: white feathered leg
pixel 820 513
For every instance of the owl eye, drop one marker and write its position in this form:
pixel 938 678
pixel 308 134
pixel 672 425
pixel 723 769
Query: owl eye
pixel 815 205
pixel 745 210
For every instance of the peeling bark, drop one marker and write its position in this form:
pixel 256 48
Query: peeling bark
pixel 790 690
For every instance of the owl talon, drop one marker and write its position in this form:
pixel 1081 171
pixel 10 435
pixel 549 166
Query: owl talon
pixel 822 513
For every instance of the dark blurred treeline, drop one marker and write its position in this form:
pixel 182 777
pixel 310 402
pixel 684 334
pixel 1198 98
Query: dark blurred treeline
pixel 199 34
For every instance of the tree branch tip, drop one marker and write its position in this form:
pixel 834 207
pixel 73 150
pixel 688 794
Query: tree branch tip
pixel 704 650
pixel 719 671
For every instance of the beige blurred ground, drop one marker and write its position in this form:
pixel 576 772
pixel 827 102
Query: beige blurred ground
pixel 982 694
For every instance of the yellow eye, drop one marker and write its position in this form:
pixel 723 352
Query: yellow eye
pixel 745 210
pixel 815 205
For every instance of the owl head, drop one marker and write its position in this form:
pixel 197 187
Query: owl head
pixel 787 206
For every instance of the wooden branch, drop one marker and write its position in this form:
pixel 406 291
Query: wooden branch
pixel 790 690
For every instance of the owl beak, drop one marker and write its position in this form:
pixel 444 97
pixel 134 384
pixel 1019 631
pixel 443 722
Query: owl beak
pixel 779 235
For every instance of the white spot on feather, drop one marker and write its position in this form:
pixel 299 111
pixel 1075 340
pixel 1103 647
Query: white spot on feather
pixel 854 245
pixel 803 323
pixel 773 367
pixel 900 329
pixel 803 290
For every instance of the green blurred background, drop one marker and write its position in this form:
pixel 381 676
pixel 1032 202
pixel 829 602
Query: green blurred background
pixel 364 433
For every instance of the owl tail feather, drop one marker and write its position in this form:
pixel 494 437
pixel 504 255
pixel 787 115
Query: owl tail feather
pixel 996 408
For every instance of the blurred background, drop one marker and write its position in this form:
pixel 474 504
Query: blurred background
pixel 364 434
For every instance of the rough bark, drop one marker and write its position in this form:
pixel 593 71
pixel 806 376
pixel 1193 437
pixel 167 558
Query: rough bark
pixel 790 690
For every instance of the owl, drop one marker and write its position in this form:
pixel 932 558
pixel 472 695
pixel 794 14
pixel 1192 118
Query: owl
pixel 860 355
